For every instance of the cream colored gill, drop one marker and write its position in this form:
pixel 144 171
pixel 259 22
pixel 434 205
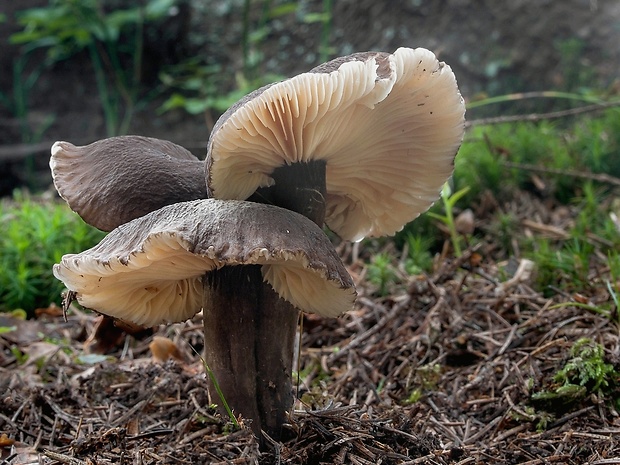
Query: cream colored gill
pixel 309 290
pixel 292 121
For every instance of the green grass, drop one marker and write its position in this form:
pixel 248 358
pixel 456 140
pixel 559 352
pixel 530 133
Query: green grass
pixel 450 200
pixel 381 273
pixel 498 164
pixel 33 236
pixel 489 154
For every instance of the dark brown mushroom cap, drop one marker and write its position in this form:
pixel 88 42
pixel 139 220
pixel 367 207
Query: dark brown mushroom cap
pixel 115 180
pixel 387 125
pixel 149 271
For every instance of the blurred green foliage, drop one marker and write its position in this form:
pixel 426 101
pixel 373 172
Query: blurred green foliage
pixel 112 37
pixel 33 236
pixel 113 41
pixel 500 162
pixel 197 85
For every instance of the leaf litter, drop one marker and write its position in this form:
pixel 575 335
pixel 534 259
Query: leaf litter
pixel 446 369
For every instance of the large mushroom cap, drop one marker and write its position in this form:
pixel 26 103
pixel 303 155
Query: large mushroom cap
pixel 115 180
pixel 387 125
pixel 149 271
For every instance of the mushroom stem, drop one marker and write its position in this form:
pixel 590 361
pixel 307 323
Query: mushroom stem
pixel 299 187
pixel 249 338
pixel 249 330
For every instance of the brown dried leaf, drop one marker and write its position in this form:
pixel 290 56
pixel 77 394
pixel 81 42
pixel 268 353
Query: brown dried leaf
pixel 163 349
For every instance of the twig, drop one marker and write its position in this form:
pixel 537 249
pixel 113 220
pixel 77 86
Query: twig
pixel 150 434
pixel 276 447
pixel 62 458
pixel 18 151
pixel 129 413
pixel 511 432
pixel 60 413
pixel 489 426
pixel 426 458
pixel 550 231
pixel 533 117
pixel 569 417
pixel 545 460
pixel 393 313
pixel 599 177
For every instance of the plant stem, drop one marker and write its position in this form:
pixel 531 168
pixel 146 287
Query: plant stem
pixel 454 235
pixel 109 111
pixel 324 50
pixel 530 95
pixel 245 38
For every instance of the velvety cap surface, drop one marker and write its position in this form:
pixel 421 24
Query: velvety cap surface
pixel 115 180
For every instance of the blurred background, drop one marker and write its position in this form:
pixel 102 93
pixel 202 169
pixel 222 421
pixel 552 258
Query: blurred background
pixel 82 70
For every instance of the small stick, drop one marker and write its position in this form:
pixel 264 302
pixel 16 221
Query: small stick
pixel 533 117
pixel 600 177
pixel 62 458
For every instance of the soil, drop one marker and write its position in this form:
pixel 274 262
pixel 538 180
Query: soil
pixel 444 370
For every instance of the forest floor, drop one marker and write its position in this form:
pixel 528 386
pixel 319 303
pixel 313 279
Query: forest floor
pixel 458 366
pixel 467 364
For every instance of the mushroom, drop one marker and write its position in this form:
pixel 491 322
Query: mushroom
pixel 363 143
pixel 167 265
pixel 372 135
pixel 115 180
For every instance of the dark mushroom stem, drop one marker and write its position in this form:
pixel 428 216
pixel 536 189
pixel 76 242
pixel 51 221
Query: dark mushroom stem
pixel 299 187
pixel 249 330
pixel 250 340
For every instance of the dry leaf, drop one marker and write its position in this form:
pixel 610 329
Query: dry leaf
pixel 465 222
pixel 163 349
pixel 6 441
pixel 53 311
pixel 44 351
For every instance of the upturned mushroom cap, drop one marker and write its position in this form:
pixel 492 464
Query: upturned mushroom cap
pixel 149 271
pixel 387 125
pixel 115 180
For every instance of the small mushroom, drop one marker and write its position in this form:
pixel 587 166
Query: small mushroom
pixel 381 130
pixel 115 180
pixel 167 265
